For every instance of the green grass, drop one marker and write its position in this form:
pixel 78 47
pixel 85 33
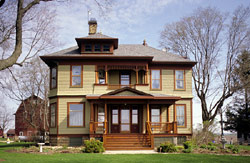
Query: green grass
pixel 141 158
pixel 17 144
pixel 245 147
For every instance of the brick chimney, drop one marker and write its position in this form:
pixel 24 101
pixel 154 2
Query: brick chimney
pixel 92 26
pixel 144 43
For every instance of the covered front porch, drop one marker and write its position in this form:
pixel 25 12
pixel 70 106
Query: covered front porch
pixel 128 111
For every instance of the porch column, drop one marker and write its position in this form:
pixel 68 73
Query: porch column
pixel 106 118
pixel 174 120
pixel 92 116
pixel 106 74
pixel 96 75
pixel 147 112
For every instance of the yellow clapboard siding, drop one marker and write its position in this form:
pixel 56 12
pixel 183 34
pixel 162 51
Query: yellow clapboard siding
pixel 182 130
pixel 62 117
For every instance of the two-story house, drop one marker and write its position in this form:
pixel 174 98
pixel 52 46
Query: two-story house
pixel 131 96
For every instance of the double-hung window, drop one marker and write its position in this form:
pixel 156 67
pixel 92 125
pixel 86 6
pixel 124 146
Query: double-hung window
pixel 180 115
pixel 179 79
pixel 53 81
pixel 76 114
pixel 76 75
pixel 101 115
pixel 156 79
pixel 53 115
pixel 155 116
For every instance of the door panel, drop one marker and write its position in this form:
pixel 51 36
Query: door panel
pixel 115 127
pixel 135 120
pixel 125 120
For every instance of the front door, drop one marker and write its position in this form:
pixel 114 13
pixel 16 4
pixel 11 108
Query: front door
pixel 125 120
pixel 115 126
pixel 135 119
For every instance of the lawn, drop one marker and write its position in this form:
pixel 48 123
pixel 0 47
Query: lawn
pixel 143 158
pixel 245 147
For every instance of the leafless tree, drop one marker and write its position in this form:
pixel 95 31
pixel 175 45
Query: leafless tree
pixel 26 27
pixel 6 117
pixel 214 40
pixel 31 81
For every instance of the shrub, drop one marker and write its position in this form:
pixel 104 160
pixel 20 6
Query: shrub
pixel 167 148
pixel 211 146
pixel 188 150
pixel 188 144
pixel 179 148
pixel 203 146
pixel 93 146
pixel 234 148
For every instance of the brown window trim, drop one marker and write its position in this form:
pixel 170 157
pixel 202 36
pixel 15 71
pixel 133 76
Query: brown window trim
pixel 68 109
pixel 55 115
pixel 184 81
pixel 111 47
pixel 185 114
pixel 155 107
pixel 71 76
pixel 51 77
pixel 125 72
pixel 151 80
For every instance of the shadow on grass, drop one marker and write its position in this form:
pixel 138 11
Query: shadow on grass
pixel 16 144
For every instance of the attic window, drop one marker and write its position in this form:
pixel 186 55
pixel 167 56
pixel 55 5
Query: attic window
pixel 88 48
pixel 97 48
pixel 106 48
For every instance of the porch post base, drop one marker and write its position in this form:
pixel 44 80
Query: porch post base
pixel 175 140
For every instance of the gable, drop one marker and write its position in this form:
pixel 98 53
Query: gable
pixel 127 93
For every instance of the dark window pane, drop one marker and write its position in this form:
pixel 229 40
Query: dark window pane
pixel 97 47
pixel 106 48
pixel 88 48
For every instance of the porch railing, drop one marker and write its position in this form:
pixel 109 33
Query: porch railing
pixel 99 127
pixel 151 136
pixel 118 86
pixel 163 127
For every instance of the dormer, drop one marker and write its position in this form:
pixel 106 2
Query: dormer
pixel 96 43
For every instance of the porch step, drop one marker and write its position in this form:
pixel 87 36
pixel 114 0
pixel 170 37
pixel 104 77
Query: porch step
pixel 127 142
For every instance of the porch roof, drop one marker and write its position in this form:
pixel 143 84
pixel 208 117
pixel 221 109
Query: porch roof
pixel 134 94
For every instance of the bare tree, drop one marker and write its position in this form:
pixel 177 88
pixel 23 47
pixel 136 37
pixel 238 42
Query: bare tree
pixel 214 40
pixel 30 82
pixel 6 117
pixel 31 28
pixel 28 25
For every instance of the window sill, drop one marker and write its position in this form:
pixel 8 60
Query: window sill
pixel 96 84
pixel 141 84
pixel 155 89
pixel 76 126
pixel 180 89
pixel 76 86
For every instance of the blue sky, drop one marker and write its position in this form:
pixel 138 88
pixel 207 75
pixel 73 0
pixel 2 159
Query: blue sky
pixel 131 21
